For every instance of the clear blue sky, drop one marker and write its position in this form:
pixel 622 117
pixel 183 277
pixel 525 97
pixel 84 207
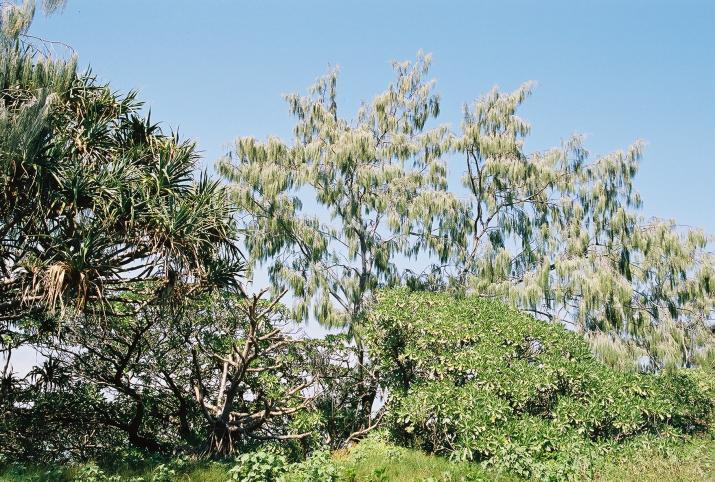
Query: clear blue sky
pixel 615 71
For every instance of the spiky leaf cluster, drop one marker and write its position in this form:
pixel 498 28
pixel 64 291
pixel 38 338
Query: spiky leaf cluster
pixel 95 200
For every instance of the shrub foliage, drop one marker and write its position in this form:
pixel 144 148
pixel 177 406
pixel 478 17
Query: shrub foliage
pixel 475 379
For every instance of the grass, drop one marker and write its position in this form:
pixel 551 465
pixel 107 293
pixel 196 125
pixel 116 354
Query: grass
pixel 374 460
pixel 377 461
pixel 203 471
pixel 695 462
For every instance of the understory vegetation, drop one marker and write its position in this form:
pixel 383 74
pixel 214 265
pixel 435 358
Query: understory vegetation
pixel 375 460
pixel 477 381
pixel 528 324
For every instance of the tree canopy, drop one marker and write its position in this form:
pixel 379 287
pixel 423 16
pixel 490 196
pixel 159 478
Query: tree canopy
pixel 351 206
pixel 98 203
pixel 370 186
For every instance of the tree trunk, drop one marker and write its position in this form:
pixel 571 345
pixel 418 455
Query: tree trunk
pixel 133 431
pixel 221 441
pixel 368 391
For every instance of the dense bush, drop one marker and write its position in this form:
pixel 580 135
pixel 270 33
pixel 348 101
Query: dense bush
pixel 480 381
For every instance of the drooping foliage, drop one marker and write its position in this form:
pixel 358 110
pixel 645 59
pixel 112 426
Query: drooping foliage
pixel 475 379
pixel 555 233
pixel 559 234
pixel 332 211
pixel 329 214
pixel 16 18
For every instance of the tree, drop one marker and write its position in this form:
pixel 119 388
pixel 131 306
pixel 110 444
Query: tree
pixel 560 236
pixel 132 363
pixel 97 202
pixel 105 233
pixel 251 379
pixel 214 374
pixel 51 416
pixel 377 183
pixel 553 232
pixel 16 18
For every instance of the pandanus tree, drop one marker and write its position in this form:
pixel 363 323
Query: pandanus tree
pixel 101 215
pixel 105 234
pixel 96 201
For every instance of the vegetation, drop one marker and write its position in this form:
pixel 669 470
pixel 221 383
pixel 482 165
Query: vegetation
pixel 554 233
pixel 478 381
pixel 559 235
pixel 374 460
pixel 531 325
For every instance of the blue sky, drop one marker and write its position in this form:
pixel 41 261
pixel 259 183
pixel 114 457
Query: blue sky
pixel 615 71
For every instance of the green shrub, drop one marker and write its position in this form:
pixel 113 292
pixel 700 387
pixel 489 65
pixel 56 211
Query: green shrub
pixel 258 466
pixel 319 467
pixel 91 472
pixel 479 381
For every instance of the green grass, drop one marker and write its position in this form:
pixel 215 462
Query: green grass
pixel 376 461
pixel 203 471
pixel 373 459
pixel 695 462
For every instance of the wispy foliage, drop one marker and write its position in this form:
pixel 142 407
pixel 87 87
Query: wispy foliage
pixel 560 234
pixel 332 211
pixel 556 232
